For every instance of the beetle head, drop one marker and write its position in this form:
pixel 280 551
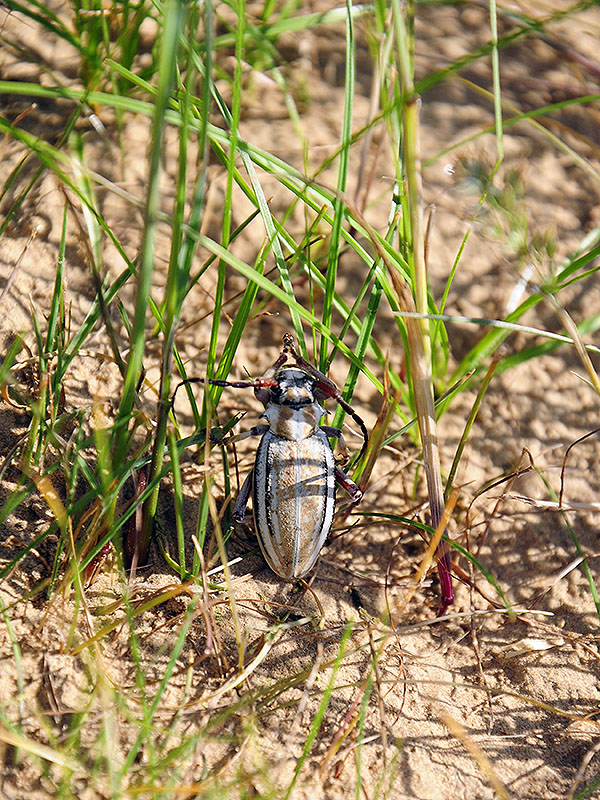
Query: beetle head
pixel 295 388
pixel 292 409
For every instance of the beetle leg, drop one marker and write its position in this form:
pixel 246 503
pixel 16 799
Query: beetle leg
pixel 257 430
pixel 332 433
pixel 335 394
pixel 335 433
pixel 348 485
pixel 241 504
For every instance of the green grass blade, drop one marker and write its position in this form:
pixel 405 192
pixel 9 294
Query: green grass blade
pixel 173 22
pixel 342 177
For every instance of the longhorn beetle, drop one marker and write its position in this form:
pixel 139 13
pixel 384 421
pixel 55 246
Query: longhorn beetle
pixel 294 475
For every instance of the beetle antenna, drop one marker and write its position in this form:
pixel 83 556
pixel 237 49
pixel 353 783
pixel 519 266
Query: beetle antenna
pixel 324 382
pixel 178 387
pixel 288 344
pixel 259 383
pixel 359 421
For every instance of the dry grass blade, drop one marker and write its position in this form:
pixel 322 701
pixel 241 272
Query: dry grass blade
pixel 432 547
pixel 424 402
pixel 485 765
pixel 580 347
pixel 41 751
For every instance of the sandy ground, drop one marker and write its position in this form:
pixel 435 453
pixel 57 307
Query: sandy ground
pixel 457 706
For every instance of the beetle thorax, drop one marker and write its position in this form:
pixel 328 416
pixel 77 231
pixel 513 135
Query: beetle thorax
pixel 293 412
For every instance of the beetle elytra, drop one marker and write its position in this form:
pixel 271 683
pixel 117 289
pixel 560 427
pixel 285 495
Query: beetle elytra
pixel 294 475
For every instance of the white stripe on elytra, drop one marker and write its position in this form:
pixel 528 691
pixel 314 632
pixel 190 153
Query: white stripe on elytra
pixel 272 531
pixel 275 528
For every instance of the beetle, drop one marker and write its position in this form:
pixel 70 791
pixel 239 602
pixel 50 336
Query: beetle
pixel 294 476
